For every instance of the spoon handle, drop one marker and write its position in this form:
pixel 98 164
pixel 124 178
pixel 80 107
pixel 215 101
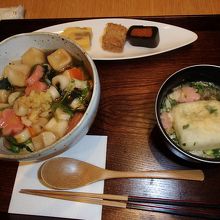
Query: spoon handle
pixel 160 174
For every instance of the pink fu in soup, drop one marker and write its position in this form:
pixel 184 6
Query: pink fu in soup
pixel 43 96
pixel 190 115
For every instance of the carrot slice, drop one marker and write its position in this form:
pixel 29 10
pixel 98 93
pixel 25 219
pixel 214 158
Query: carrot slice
pixel 32 131
pixel 10 123
pixel 77 73
pixel 37 86
pixel 74 121
pixel 36 75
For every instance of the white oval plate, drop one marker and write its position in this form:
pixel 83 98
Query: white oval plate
pixel 171 37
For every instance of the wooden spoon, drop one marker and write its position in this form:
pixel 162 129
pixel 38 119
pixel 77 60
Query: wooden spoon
pixel 68 173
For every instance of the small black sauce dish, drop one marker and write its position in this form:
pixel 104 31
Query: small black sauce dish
pixel 143 36
pixel 203 72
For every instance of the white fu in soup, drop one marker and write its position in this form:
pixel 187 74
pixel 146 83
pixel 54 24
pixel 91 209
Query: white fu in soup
pixel 43 96
pixel 190 115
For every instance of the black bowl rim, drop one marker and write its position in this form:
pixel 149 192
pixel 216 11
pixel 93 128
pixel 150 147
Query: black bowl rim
pixel 159 123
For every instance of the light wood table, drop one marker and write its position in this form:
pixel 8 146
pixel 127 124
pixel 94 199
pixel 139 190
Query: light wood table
pixel 113 8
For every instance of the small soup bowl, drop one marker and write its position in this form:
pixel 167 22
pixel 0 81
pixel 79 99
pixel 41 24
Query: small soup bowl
pixel 203 72
pixel 11 49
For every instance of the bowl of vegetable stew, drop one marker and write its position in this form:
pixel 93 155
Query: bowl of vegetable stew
pixel 188 113
pixel 49 95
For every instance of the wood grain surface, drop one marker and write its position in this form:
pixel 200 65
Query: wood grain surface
pixel 126 116
pixel 113 8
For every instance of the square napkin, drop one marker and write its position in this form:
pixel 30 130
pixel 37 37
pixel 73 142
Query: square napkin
pixel 12 13
pixel 91 149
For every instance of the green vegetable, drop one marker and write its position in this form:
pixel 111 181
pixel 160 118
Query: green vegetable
pixel 68 96
pixel 199 86
pixel 173 102
pixel 63 103
pixel 207 90
pixel 84 95
pixel 5 84
pixel 168 104
pixel 64 107
pixel 174 138
pixel 202 86
pixel 15 147
pixel 49 73
pixel 215 153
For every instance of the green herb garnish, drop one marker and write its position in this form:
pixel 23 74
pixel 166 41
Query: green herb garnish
pixel 213 153
pixel 211 109
pixel 185 126
pixel 199 86
pixel 65 108
pixel 173 102
pixel 202 86
pixel 168 104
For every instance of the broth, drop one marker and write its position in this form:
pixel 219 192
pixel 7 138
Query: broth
pixel 43 96
pixel 190 115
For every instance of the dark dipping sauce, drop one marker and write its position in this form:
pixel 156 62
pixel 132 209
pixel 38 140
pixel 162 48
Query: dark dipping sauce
pixel 143 36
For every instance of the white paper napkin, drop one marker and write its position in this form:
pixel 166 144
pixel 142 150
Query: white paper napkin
pixel 91 149
pixel 12 13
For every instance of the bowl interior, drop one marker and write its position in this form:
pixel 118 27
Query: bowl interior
pixel 207 73
pixel 12 48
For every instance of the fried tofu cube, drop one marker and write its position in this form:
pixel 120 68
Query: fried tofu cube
pixel 58 127
pixel 33 56
pixel 48 138
pixel 38 142
pixel 44 139
pixel 59 59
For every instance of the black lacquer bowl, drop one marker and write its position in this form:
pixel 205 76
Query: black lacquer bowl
pixel 203 72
